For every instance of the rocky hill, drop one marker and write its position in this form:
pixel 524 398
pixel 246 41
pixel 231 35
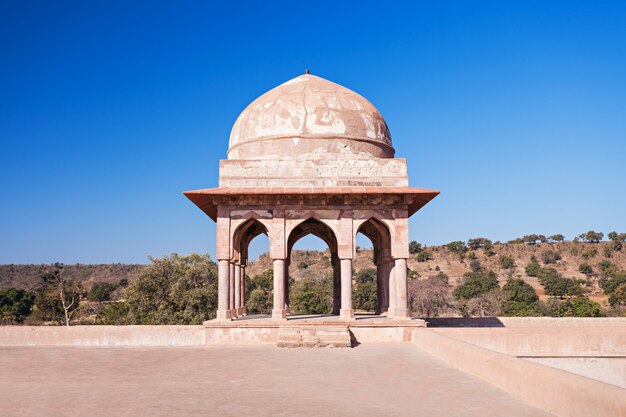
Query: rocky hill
pixel 27 277
pixel 569 257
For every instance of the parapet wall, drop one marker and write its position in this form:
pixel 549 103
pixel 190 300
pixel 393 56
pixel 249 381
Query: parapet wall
pixel 559 392
pixel 543 322
pixel 545 341
pixel 102 336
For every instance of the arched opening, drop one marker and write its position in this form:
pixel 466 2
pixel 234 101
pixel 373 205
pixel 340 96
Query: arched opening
pixel 317 289
pixel 371 292
pixel 255 295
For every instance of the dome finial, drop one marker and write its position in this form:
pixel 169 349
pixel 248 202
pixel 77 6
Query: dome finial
pixel 306 71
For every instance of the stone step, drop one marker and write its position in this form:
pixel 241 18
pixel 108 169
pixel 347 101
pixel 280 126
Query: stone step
pixel 314 336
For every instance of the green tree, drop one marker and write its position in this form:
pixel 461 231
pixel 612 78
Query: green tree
pixel 59 298
pixel 619 237
pixel 457 247
pixel 173 289
pixel 101 291
pixel 414 247
pixel 591 236
pixel 522 299
pixel 475 283
pixel 533 268
pixel 15 305
pixel 312 295
pixel 258 302
pixel 582 307
pixel 519 290
pixel 556 238
pixel 555 285
pixel 479 243
pixel 618 296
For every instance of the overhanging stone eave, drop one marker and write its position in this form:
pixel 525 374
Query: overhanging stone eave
pixel 203 198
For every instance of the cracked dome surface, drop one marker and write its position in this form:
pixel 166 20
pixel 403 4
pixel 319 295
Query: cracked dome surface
pixel 309 117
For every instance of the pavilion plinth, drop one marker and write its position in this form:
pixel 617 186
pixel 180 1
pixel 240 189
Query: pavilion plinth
pixel 262 329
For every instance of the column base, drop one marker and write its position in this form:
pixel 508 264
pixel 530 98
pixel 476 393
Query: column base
pixel 401 314
pixel 279 314
pixel 233 313
pixel 223 315
pixel 241 311
pixel 346 314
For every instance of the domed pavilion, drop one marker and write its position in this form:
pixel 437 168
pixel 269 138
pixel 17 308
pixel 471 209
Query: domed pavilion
pixel 312 157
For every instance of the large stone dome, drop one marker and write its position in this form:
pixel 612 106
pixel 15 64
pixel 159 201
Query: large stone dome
pixel 306 118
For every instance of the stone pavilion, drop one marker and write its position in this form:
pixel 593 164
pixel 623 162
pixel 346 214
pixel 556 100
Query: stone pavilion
pixel 312 157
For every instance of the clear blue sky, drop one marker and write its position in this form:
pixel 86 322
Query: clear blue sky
pixel 516 111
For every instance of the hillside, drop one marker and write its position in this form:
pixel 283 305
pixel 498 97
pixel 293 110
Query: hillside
pixel 572 254
pixel 314 263
pixel 27 277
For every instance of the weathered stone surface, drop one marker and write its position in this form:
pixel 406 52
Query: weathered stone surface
pixel 312 337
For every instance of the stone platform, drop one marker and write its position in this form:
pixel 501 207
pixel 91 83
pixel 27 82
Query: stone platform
pixel 310 330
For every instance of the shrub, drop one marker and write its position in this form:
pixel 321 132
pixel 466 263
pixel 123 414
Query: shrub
pixel 431 297
pixel 589 253
pixel 490 303
pixel 550 257
pixel 506 262
pixel 618 296
pixel 533 267
pixel 616 245
pixel 475 266
pixel 424 256
pixel 15 305
pixel 585 269
pixel 303 265
pixel 582 307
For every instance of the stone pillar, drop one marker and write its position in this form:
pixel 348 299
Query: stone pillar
pixel 346 312
pixel 402 289
pixel 279 312
pixel 243 290
pixel 382 273
pixel 391 267
pixel 231 302
pixel 287 289
pixel 237 304
pixel 336 284
pixel 223 285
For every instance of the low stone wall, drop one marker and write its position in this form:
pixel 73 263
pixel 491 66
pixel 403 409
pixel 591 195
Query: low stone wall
pixel 102 336
pixel 544 322
pixel 556 391
pixel 545 342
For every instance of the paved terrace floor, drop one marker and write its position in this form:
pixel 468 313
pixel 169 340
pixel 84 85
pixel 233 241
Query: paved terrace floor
pixel 370 380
